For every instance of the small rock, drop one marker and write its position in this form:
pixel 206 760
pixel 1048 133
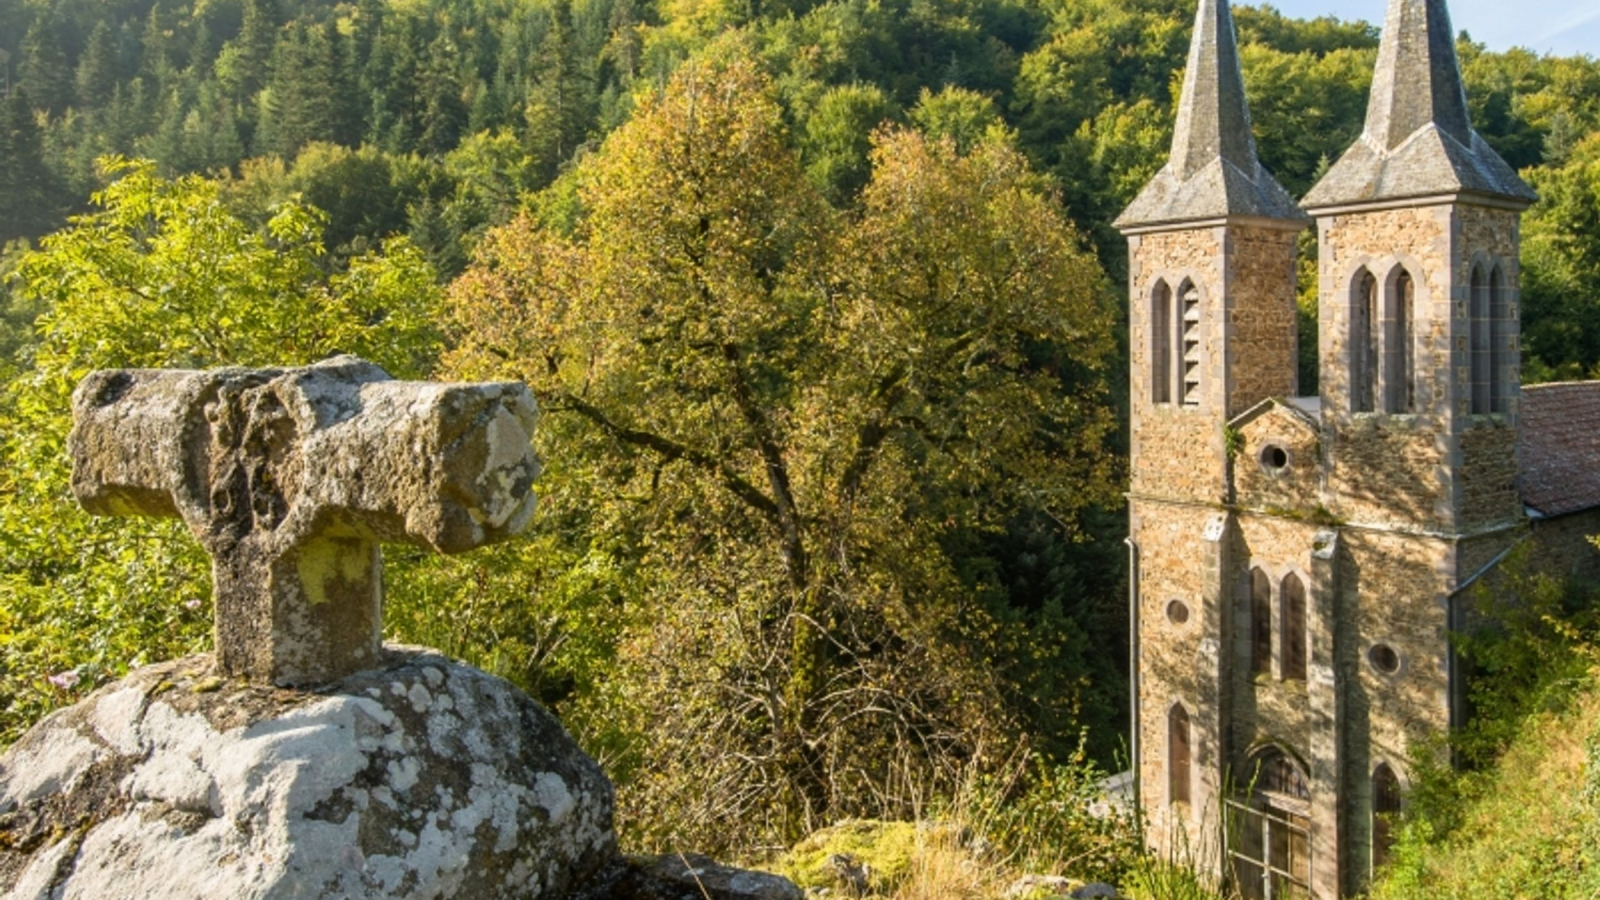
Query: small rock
pixel 1094 890
pixel 690 876
pixel 851 874
pixel 1032 884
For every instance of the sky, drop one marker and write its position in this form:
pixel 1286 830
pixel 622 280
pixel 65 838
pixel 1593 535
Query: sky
pixel 1562 27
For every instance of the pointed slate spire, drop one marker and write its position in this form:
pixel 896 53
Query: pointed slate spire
pixel 1213 171
pixel 1419 139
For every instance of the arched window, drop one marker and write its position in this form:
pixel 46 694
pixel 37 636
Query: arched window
pixel 1363 339
pixel 1161 344
pixel 1178 754
pixel 1270 836
pixel 1399 345
pixel 1501 372
pixel 1190 365
pixel 1385 807
pixel 1260 623
pixel 1480 344
pixel 1292 596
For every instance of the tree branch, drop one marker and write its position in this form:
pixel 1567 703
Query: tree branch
pixel 672 450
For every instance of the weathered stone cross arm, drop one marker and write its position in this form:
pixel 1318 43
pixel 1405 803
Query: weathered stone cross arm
pixel 291 477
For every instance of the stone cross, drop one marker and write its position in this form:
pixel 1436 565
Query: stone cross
pixel 290 479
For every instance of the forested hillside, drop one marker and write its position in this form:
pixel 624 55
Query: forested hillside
pixel 820 301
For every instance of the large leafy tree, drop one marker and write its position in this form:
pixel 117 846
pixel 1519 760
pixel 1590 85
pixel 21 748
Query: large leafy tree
pixel 160 274
pixel 791 427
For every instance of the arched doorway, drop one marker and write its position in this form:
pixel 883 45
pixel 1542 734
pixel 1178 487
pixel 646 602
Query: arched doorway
pixel 1269 829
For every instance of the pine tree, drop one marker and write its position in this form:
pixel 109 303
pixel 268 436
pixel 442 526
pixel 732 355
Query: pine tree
pixel 97 68
pixel 444 112
pixel 156 62
pixel 560 96
pixel 251 55
pixel 298 106
pixel 348 109
pixel 44 76
pixel 24 179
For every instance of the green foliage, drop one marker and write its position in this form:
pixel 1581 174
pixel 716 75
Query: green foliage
pixel 885 851
pixel 159 274
pixel 1517 818
pixel 1561 318
pixel 780 419
pixel 1054 817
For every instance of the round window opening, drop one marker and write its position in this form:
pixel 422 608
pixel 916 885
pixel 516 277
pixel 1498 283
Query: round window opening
pixel 1178 612
pixel 1274 457
pixel 1384 659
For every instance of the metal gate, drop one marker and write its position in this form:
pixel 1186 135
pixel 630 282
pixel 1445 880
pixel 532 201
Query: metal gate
pixel 1269 853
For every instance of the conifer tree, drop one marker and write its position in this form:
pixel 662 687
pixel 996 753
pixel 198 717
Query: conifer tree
pixel 97 68
pixel 156 63
pixel 444 112
pixel 44 76
pixel 299 106
pixel 24 179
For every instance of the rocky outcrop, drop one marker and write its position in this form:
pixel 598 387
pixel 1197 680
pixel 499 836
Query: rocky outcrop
pixel 422 779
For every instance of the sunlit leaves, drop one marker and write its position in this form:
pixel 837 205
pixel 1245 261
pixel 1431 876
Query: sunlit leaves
pixel 796 418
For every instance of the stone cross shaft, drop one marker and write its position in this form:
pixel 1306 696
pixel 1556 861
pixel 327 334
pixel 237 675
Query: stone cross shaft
pixel 290 478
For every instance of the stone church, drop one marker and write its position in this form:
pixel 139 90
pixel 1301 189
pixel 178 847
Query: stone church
pixel 1298 563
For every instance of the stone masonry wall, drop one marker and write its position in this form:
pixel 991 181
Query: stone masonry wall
pixel 1295 488
pixel 1177 659
pixel 1266 708
pixel 1394 589
pixel 1262 324
pixel 1486 489
pixel 1381 242
pixel 1177 451
pixel 1561 546
pixel 1488 474
pixel 1387 470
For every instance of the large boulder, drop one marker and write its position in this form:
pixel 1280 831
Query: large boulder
pixel 421 779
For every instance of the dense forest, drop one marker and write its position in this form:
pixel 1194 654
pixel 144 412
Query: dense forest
pixel 820 300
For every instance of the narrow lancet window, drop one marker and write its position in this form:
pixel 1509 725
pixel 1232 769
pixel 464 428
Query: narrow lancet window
pixel 1363 341
pixel 1501 372
pixel 1260 623
pixel 1399 342
pixel 1178 754
pixel 1385 807
pixel 1161 344
pixel 1293 614
pixel 1480 344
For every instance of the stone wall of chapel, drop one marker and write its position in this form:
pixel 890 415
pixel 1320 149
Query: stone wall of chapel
pixel 1177 451
pixel 1486 492
pixel 1488 475
pixel 1388 471
pixel 1294 489
pixel 1177 660
pixel 1262 324
pixel 1393 470
pixel 1420 239
pixel 1265 707
pixel 1179 454
pixel 1396 586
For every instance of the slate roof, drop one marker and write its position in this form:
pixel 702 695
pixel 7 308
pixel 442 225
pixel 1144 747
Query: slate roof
pixel 1419 139
pixel 1213 171
pixel 1560 449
